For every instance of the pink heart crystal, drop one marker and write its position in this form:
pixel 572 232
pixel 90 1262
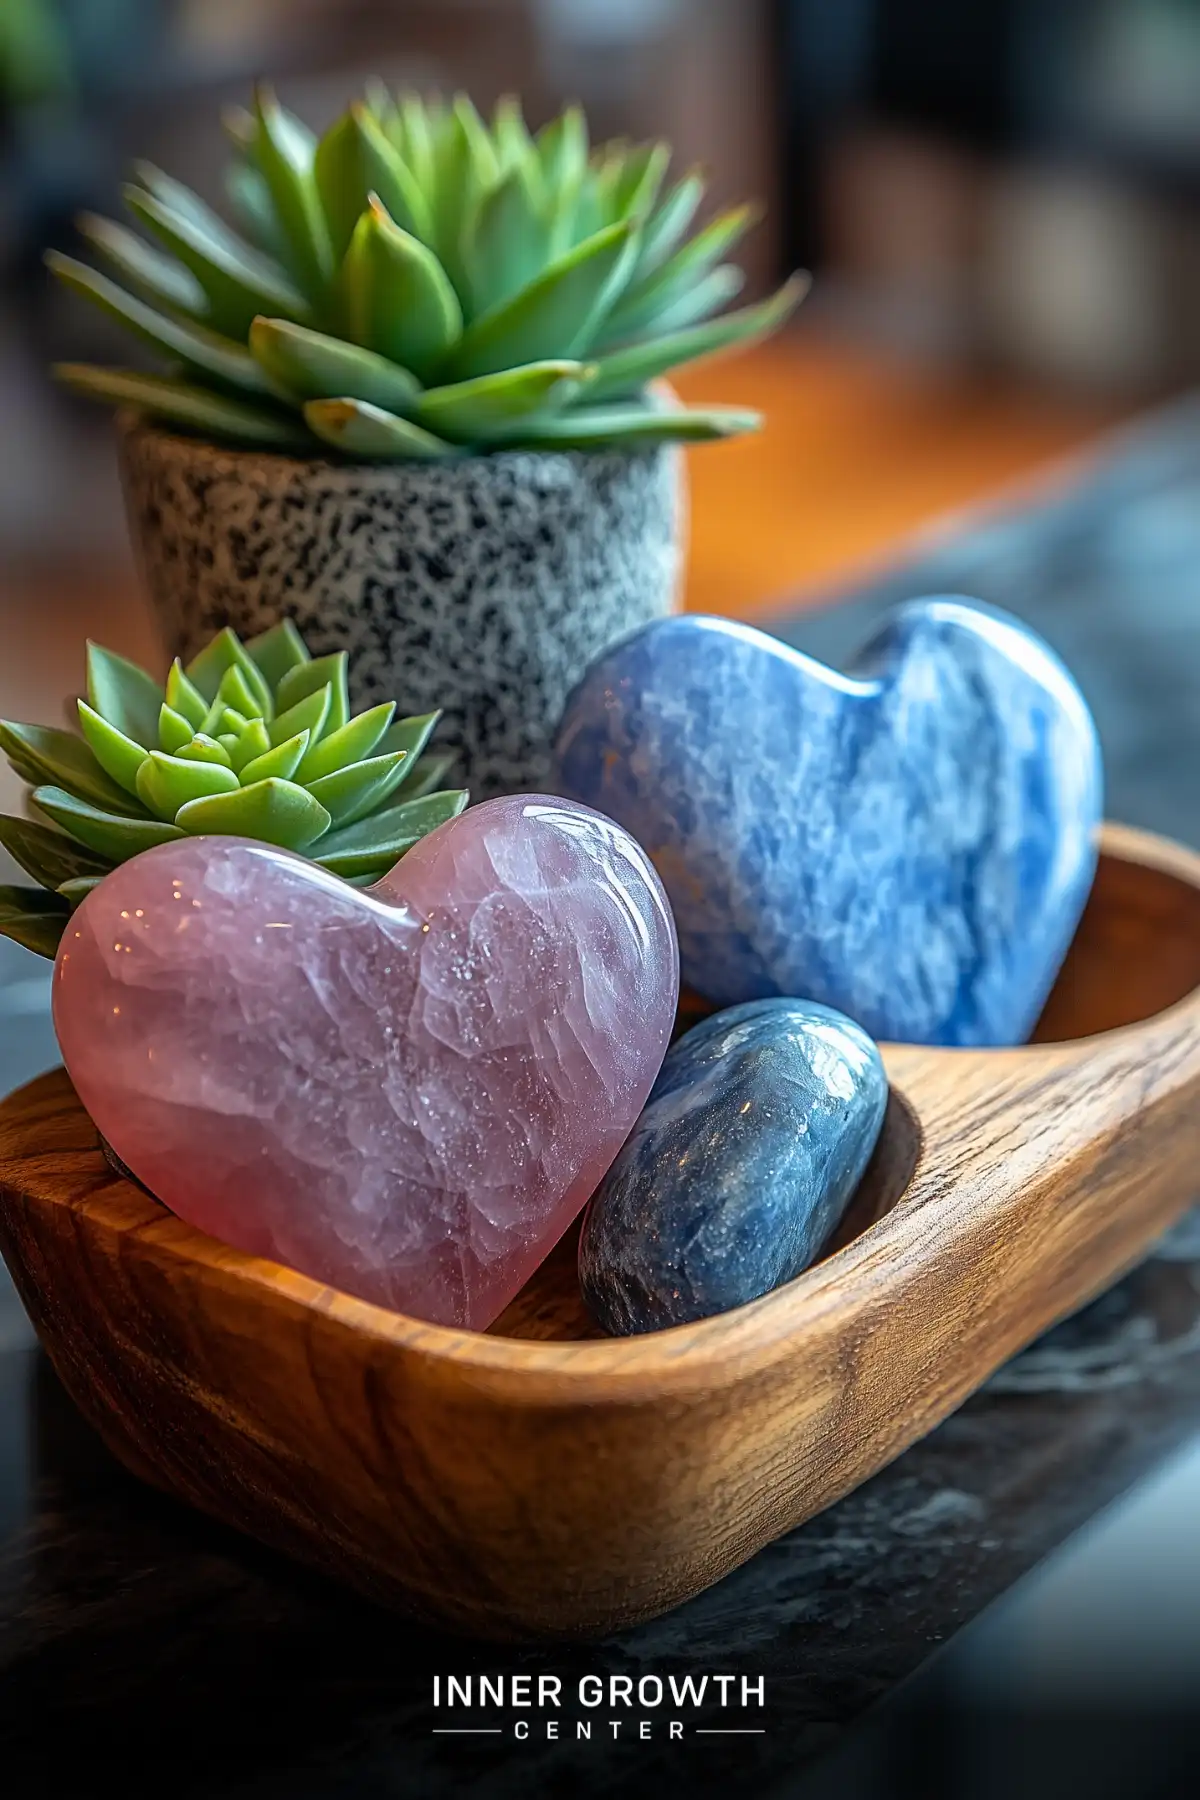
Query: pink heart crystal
pixel 408 1092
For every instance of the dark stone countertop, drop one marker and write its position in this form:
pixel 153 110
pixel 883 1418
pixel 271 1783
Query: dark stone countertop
pixel 142 1643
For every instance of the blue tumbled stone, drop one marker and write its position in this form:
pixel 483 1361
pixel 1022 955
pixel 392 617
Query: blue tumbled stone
pixel 751 1145
pixel 912 843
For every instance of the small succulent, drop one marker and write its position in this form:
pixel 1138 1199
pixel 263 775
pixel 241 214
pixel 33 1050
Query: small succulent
pixel 251 740
pixel 418 283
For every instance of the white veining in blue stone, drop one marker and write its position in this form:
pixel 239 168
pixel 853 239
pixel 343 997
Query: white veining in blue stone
pixel 748 1151
pixel 912 843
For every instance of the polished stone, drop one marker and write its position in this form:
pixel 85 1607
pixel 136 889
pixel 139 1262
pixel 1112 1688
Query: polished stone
pixel 407 1093
pixel 912 843
pixel 750 1149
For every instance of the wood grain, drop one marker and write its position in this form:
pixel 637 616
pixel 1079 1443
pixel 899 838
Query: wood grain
pixel 535 1483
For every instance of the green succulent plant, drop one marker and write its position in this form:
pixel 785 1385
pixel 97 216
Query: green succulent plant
pixel 251 740
pixel 418 283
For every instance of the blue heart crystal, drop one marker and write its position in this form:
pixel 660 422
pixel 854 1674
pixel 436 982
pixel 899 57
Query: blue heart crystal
pixel 912 843
pixel 751 1145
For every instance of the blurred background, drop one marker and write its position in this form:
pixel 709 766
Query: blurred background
pixel 999 201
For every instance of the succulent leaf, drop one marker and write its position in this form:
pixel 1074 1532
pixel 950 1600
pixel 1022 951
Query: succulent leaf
pixel 167 783
pixel 41 754
pixel 49 856
pixel 625 371
pixel 155 276
pixel 490 407
pixel 109 835
pixel 78 888
pixel 284 150
pixel 33 917
pixel 604 426
pixel 205 353
pixel 196 408
pixel 372 433
pixel 280 761
pixel 350 793
pixel 124 695
pixel 205 749
pixel 273 811
pixel 276 651
pixel 184 698
pixel 309 714
pixel 308 678
pixel 355 159
pixel 225 670
pixel 308 365
pixel 396 296
pixel 350 743
pixel 118 755
pixel 381 838
pixel 239 282
pixel 554 316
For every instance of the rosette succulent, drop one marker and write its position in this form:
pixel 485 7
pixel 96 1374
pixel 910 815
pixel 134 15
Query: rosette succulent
pixel 251 740
pixel 418 283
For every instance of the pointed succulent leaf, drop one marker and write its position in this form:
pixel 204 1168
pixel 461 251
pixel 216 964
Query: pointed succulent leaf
pixel 556 315
pixel 43 754
pixel 298 684
pixel 230 742
pixel 253 210
pixel 639 177
pixel 165 783
pixel 124 695
pixel 284 150
pixel 184 697
pixel 510 134
pixel 625 371
pixel 413 137
pixel 384 836
pixel 616 426
pixel 78 888
pixel 33 918
pixel 118 755
pixel 253 742
pixel 49 856
pixel 239 282
pixel 355 159
pixel 428 774
pixel 466 169
pixel 562 148
pixel 309 714
pixel 198 409
pixel 156 277
pixel 372 434
pixel 174 731
pixel 352 742
pixel 273 811
pixel 650 295
pixel 396 296
pixel 702 298
pixel 492 406
pixel 351 793
pixel 203 352
pixel 410 735
pixel 669 222
pixel 276 651
pixel 308 365
pixel 206 749
pixel 281 761
pixel 510 242
pixel 212 673
pixel 108 834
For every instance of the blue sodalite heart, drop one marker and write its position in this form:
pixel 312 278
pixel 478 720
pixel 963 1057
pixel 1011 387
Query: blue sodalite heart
pixel 912 843
pixel 751 1145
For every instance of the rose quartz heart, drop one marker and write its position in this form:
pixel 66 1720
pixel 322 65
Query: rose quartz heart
pixel 407 1092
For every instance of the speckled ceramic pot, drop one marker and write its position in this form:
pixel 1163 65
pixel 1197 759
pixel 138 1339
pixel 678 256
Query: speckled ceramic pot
pixel 484 586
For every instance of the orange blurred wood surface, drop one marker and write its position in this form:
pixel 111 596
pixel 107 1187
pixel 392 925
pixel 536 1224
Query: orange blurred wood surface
pixel 859 449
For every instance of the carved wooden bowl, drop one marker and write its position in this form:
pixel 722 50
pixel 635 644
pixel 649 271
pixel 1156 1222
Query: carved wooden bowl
pixel 535 1482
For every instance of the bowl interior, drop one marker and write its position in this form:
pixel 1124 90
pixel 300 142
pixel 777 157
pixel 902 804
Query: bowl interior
pixel 1136 952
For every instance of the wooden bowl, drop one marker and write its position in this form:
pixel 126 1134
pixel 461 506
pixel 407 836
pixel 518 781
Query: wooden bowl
pixel 532 1483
